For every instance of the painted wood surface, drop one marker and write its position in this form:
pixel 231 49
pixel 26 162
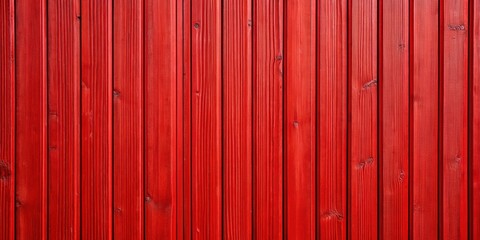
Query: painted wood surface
pixel 332 119
pixel 363 122
pixel 453 118
pixel 268 68
pixel 30 119
pixel 96 190
pixel 424 127
pixel 206 119
pixel 248 119
pixel 63 119
pixel 7 120
pixel 237 119
pixel 393 107
pixel 299 124
pixel 128 137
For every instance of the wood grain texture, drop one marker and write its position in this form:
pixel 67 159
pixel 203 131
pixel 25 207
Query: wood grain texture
pixel 206 119
pixel 362 106
pixel 268 119
pixel 63 119
pixel 128 131
pixel 394 118
pixel 7 120
pixel 453 117
pixel 186 179
pixel 474 127
pixel 424 108
pixel 332 119
pixel 31 120
pixel 237 119
pixel 299 124
pixel 161 120
pixel 96 123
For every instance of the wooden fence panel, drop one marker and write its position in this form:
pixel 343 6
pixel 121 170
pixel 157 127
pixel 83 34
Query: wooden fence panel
pixel 239 119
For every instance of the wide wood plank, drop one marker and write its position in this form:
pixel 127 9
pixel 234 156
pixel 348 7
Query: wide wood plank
pixel 237 119
pixel 206 119
pixel 394 118
pixel 96 115
pixel 268 119
pixel 474 128
pixel 128 138
pixel 453 117
pixel 362 107
pixel 424 73
pixel 31 119
pixel 161 119
pixel 7 120
pixel 63 119
pixel 300 159
pixel 332 119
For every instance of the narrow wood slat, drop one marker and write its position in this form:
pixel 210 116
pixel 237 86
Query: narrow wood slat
pixel 63 119
pixel 96 123
pixel 300 159
pixel 474 101
pixel 394 118
pixel 206 119
pixel 453 117
pixel 424 73
pixel 7 120
pixel 332 119
pixel 31 109
pixel 160 119
pixel 128 198
pixel 186 198
pixel 180 116
pixel 237 118
pixel 268 119
pixel 362 107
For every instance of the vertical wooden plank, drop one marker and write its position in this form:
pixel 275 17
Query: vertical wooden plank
pixel 7 120
pixel 187 193
pixel 31 119
pixel 363 161
pixel 237 118
pixel 63 119
pixel 424 73
pixel 268 119
pixel 128 198
pixel 96 114
pixel 300 119
pixel 394 118
pixel 453 117
pixel 180 223
pixel 332 119
pixel 474 131
pixel 160 119
pixel 424 120
pixel 206 119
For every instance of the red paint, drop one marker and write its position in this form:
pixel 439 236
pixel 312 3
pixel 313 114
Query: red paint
pixel 249 119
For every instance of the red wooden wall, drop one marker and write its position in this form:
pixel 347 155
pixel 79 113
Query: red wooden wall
pixel 240 119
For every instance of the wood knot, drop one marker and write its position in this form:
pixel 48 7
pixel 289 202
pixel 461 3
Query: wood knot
pixel 196 25
pixel 333 214
pixel 5 171
pixel 295 124
pixel 370 84
pixel 116 93
pixel 363 164
pixel 460 27
pixel 401 176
